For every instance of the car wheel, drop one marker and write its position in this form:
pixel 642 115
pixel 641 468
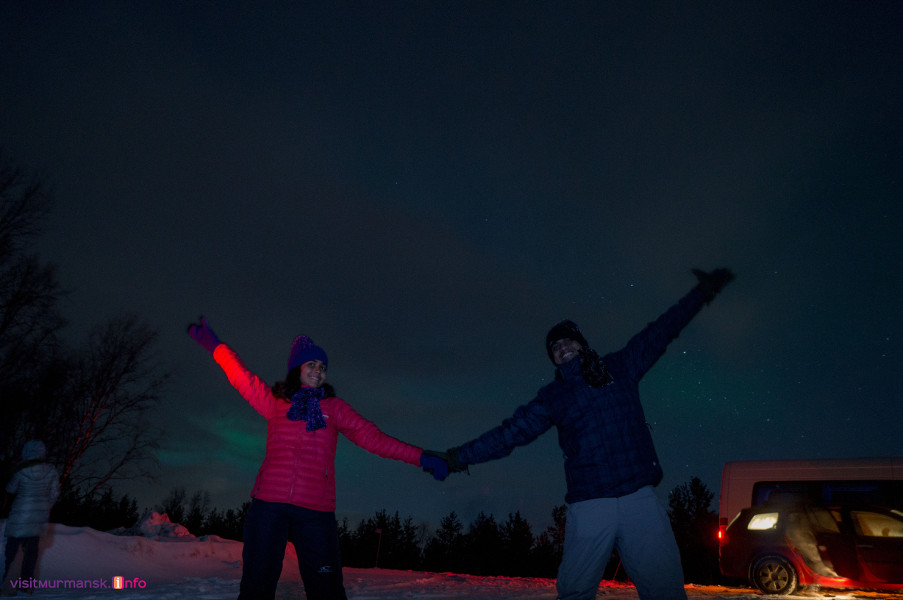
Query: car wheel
pixel 774 574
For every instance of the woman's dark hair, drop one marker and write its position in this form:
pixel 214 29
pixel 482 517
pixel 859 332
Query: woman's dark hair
pixel 286 389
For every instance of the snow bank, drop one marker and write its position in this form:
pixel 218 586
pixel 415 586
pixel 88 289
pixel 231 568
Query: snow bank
pixel 156 526
pixel 73 559
pixel 84 553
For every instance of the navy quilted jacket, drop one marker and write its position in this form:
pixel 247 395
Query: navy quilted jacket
pixel 607 445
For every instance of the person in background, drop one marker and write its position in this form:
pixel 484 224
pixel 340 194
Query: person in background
pixel 34 488
pixel 610 461
pixel 294 498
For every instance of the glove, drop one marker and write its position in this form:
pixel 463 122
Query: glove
pixel 435 464
pixel 712 283
pixel 454 463
pixel 203 335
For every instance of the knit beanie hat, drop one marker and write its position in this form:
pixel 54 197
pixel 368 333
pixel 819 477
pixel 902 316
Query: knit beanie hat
pixel 34 450
pixel 565 330
pixel 304 350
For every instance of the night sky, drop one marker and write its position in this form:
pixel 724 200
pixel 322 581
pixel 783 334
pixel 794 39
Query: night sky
pixel 424 188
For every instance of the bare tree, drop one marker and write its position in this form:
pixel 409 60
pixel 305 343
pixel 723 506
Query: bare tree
pixel 100 428
pixel 90 405
pixel 25 202
pixel 174 504
pixel 29 295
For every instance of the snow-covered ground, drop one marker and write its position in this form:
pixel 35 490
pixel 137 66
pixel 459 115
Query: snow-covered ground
pixel 168 563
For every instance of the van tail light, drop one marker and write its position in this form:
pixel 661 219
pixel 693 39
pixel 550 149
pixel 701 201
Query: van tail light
pixel 722 534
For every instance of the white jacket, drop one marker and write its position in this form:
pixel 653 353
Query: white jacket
pixel 36 488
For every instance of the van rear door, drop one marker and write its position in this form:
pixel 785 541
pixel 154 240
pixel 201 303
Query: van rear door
pixel 879 542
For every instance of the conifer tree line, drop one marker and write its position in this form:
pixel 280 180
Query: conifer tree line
pixel 486 547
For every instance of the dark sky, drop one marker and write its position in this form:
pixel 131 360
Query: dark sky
pixel 424 188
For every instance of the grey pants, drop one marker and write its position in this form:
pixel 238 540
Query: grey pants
pixel 638 527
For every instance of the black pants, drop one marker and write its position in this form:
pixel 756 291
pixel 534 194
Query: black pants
pixel 269 526
pixel 29 558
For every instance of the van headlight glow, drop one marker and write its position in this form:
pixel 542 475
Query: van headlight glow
pixel 763 521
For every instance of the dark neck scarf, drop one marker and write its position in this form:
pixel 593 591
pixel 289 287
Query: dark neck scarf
pixel 594 370
pixel 306 407
pixel 588 364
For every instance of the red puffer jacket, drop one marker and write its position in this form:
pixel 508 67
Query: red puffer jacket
pixel 299 465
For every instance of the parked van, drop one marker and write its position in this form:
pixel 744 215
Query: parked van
pixel 750 483
pixel 788 524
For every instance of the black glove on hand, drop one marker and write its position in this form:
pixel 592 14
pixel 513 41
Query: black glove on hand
pixel 712 283
pixel 454 463
pixel 203 335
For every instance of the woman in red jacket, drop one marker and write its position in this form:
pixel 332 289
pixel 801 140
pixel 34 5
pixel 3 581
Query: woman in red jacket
pixel 294 495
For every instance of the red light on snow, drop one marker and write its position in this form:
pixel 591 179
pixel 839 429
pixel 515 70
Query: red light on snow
pixel 839 582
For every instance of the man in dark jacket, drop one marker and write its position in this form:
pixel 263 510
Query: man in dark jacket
pixel 610 462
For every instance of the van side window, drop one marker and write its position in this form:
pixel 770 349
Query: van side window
pixel 830 493
pixel 871 524
pixel 822 520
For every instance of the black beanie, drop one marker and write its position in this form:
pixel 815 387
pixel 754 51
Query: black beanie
pixel 561 331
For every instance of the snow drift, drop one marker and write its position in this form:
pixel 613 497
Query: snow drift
pixel 159 559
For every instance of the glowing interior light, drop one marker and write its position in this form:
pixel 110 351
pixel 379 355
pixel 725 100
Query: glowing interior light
pixel 763 521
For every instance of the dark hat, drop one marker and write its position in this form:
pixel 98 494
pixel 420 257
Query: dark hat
pixel 34 450
pixel 304 350
pixel 565 330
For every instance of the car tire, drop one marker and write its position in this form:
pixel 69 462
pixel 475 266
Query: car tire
pixel 774 574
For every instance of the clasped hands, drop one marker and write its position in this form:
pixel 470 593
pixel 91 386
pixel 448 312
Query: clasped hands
pixel 440 464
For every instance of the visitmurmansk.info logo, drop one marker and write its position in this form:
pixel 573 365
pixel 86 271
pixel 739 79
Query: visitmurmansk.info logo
pixel 117 583
pixel 121 583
